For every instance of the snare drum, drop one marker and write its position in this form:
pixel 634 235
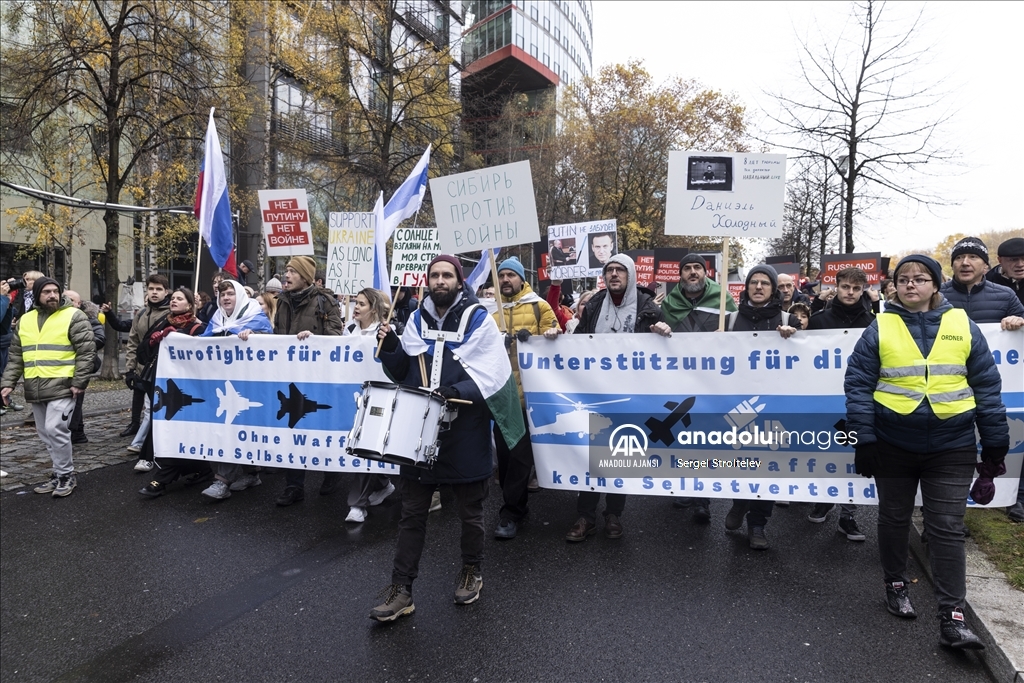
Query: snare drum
pixel 397 424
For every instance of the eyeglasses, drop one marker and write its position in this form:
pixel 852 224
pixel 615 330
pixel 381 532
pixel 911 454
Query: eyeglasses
pixel 612 269
pixel 760 283
pixel 917 282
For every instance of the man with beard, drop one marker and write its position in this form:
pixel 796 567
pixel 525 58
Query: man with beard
pixel 471 366
pixel 303 309
pixel 1010 271
pixel 525 314
pixel 693 306
pixel 53 347
pixel 623 307
pixel 760 310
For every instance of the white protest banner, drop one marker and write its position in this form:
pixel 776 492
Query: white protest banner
pixel 271 400
pixel 350 252
pixel 725 195
pixel 411 252
pixel 731 415
pixel 492 207
pixel 580 249
pixel 286 222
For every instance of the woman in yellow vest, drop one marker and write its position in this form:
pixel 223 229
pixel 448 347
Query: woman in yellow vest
pixel 919 381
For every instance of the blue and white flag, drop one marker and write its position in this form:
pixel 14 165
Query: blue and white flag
pixel 404 203
pixel 482 270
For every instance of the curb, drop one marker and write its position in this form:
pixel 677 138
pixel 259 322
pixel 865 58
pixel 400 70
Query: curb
pixel 997 661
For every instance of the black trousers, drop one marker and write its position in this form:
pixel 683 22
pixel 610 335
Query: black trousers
pixel 514 468
pixel 586 504
pixel 297 478
pixel 138 402
pixel 412 528
pixel 77 425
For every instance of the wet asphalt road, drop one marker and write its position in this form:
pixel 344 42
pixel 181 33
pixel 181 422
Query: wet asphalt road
pixel 108 586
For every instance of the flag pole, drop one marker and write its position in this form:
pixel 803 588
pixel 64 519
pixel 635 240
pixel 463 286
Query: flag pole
pixel 199 252
pixel 723 277
pixel 497 290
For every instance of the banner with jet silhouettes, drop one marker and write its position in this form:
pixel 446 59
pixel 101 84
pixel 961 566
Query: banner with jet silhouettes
pixel 734 415
pixel 272 400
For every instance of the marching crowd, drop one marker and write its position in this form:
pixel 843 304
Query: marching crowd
pixel 920 381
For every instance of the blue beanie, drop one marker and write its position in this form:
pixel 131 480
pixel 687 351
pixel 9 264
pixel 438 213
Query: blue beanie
pixel 512 263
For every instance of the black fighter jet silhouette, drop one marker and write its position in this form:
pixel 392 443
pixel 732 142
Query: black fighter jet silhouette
pixel 661 430
pixel 296 405
pixel 173 399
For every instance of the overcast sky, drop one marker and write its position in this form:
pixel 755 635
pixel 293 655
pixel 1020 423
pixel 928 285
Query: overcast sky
pixel 753 47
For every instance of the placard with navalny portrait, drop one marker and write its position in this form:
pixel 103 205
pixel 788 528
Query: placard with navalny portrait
pixel 583 248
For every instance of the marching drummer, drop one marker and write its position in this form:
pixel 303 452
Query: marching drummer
pixel 449 320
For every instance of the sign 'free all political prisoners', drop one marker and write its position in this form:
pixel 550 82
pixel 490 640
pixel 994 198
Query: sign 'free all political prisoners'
pixel 492 207
pixel 725 195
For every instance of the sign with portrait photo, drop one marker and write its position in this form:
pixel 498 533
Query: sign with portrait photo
pixel 577 250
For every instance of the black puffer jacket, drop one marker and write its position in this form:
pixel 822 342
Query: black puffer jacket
pixel 986 302
pixel 648 312
pixel 997 276
pixel 750 318
pixel 837 316
pixel 922 431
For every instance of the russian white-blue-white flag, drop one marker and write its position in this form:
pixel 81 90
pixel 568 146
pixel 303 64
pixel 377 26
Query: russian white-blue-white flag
pixel 213 207
pixel 404 203
pixel 482 270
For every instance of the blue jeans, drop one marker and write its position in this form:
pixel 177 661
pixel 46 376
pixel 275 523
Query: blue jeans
pixel 945 480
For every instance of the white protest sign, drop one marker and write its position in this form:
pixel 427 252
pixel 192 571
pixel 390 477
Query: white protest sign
pixel 350 252
pixel 411 252
pixel 492 207
pixel 731 415
pixel 578 250
pixel 286 222
pixel 725 195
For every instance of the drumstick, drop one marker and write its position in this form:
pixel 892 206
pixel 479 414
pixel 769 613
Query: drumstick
pixel 387 319
pixel 459 400
pixel 423 372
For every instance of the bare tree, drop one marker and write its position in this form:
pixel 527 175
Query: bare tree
pixel 876 123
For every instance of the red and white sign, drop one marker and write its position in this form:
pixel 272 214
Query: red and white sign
pixel 870 263
pixel 286 222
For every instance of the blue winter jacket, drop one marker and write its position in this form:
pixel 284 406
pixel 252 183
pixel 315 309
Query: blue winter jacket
pixel 922 431
pixel 986 302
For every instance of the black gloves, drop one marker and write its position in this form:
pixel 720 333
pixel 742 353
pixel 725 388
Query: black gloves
pixel 866 459
pixel 129 379
pixel 523 335
pixel 447 392
pixel 390 342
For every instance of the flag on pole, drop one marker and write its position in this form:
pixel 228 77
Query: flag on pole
pixel 404 203
pixel 482 270
pixel 213 207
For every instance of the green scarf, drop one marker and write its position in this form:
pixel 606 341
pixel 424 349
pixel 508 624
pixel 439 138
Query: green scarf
pixel 677 306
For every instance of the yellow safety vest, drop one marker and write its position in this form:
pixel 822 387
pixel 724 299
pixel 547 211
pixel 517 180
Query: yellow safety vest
pixel 907 378
pixel 47 352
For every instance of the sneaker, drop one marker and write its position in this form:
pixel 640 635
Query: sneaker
pixel 17 406
pixel 397 603
pixel 357 515
pixel 757 539
pixel 820 512
pixel 79 438
pixel 47 486
pixel 734 520
pixel 953 632
pixel 130 430
pixel 468 585
pixel 132 448
pixel 897 600
pixel 218 490
pixel 848 526
pixel 1016 513
pixel 534 485
pixel 377 497
pixel 153 489
pixel 612 526
pixel 506 530
pixel 702 513
pixel 144 466
pixel 290 496
pixel 580 530
pixel 66 484
pixel 435 502
pixel 246 481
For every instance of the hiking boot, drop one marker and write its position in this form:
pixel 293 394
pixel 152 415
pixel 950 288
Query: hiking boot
pixel 848 526
pixel 153 489
pixel 734 520
pixel 580 530
pixel 612 526
pixel 290 496
pixel 506 530
pixel 820 512
pixel 130 430
pixel 897 600
pixel 757 539
pixel 953 632
pixel 702 513
pixel 468 585
pixel 246 481
pixel 435 502
pixel 357 515
pixel 66 484
pixel 397 603
pixel 48 486
pixel 218 490
pixel 377 497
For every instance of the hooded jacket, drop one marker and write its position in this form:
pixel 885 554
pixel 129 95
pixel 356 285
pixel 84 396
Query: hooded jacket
pixel 145 320
pixel 647 311
pixel 837 316
pixel 922 431
pixel 751 318
pixel 43 389
pixel 986 302
pixel 686 315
